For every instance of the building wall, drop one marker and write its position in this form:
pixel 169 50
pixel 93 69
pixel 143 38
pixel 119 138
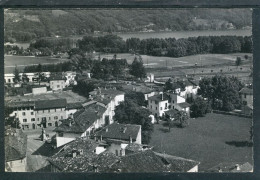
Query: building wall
pixel 139 137
pixel 26 117
pixel 100 150
pixel 52 116
pixel 247 97
pixel 18 165
pixel 56 85
pixel 147 95
pixel 66 138
pixel 159 107
pixel 9 77
pixel 70 111
pixel 70 76
pixel 40 90
pixel 194 169
pixel 117 148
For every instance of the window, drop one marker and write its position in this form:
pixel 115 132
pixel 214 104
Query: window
pixel 151 107
pixel 49 124
pixel 33 119
pixel 49 118
pixel 31 113
pixel 24 113
pixel 61 117
pixel 58 86
pixel 9 80
pixel 116 152
pixel 156 108
pixel 156 102
pixel 23 108
pixel 38 119
pixel 160 108
pixel 244 95
pixel 56 117
pixel 48 110
pixel 172 101
pixel 24 120
pixel 166 105
pixel 28 108
pixel 15 114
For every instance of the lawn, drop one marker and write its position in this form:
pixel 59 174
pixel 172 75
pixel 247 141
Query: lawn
pixel 210 140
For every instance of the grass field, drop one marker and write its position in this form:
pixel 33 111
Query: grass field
pixel 210 140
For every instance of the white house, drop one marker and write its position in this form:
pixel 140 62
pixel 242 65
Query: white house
pixel 246 95
pixel 57 82
pixel 70 78
pixel 32 77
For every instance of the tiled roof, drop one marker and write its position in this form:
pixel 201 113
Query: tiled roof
pixel 84 162
pixel 138 88
pixel 246 90
pixel 178 164
pixel 134 147
pixel 158 97
pixel 16 104
pixel 76 105
pixel 64 160
pixel 116 131
pixel 15 144
pixel 83 119
pixel 184 104
pixel 105 96
pixel 50 104
pixel 231 167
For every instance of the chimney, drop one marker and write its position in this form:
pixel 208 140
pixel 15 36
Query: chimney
pixel 130 140
pixel 162 96
pixel 74 154
pixel 101 138
pixel 81 151
pixel 124 129
pixel 237 167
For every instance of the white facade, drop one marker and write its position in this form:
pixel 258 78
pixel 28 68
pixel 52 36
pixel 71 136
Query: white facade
pixel 9 78
pixel 39 90
pixel 157 108
pixel 194 169
pixel 56 85
pixel 248 98
pixel 19 165
pixel 70 78
pixel 117 148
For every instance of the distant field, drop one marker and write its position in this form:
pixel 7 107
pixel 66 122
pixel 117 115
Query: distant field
pixel 211 140
pixel 204 59
pixel 22 61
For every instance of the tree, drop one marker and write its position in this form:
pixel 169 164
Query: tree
pixel 17 78
pixel 137 97
pixel 128 112
pixel 183 119
pixel 137 68
pixel 238 61
pixel 198 107
pixel 25 77
pixel 221 90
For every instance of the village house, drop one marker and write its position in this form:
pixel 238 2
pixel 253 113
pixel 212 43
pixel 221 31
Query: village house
pixel 81 124
pixel 118 136
pixel 31 77
pixel 57 82
pixel 15 150
pixel 70 78
pixel 50 112
pixel 81 155
pixel 163 102
pixel 33 114
pixel 246 95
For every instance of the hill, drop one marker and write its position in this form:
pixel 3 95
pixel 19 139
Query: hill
pixel 26 25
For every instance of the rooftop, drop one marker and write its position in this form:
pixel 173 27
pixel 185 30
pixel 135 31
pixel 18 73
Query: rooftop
pixel 50 104
pixel 15 144
pixel 232 167
pixel 158 97
pixel 246 90
pixel 83 119
pixel 56 77
pixel 75 105
pixel 84 161
pixel 171 112
pixel 184 104
pixel 120 131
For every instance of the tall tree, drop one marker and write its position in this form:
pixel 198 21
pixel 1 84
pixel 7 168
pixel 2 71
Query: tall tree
pixel 17 77
pixel 137 68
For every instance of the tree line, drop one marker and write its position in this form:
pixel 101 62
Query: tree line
pixel 169 47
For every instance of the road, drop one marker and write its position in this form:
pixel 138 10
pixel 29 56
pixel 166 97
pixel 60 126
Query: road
pixel 37 150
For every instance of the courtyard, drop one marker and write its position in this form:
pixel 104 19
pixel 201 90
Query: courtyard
pixel 211 140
